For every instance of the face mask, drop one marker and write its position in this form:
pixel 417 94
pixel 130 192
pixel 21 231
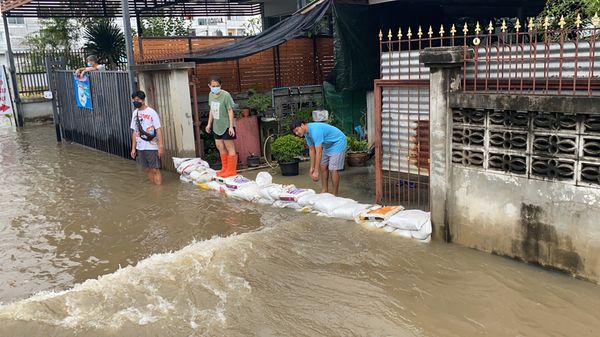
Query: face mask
pixel 215 90
pixel 138 105
pixel 89 64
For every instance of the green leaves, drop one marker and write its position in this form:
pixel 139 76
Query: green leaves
pixel 158 26
pixel 106 41
pixel 287 148
pixel 357 145
pixel 258 101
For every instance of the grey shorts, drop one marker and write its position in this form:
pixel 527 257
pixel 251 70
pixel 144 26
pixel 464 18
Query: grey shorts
pixel 334 161
pixel 148 159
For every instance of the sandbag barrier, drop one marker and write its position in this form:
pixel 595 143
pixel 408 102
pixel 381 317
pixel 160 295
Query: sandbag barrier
pixel 415 224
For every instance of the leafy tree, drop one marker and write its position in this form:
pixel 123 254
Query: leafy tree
pixel 158 26
pixel 106 41
pixel 252 27
pixel 569 9
pixel 54 34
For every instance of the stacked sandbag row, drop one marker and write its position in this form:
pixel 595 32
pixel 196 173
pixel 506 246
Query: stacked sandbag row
pixel 414 224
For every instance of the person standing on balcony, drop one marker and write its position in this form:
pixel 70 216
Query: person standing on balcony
pixel 327 149
pixel 221 123
pixel 147 142
pixel 92 65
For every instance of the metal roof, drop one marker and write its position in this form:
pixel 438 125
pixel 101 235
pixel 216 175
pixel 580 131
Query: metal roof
pixel 112 8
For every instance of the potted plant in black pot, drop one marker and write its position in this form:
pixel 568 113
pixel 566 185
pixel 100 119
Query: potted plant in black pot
pixel 286 150
pixel 358 151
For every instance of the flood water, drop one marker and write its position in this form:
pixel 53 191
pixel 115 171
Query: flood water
pixel 88 248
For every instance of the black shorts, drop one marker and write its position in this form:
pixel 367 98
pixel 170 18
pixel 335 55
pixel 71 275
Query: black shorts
pixel 225 135
pixel 148 159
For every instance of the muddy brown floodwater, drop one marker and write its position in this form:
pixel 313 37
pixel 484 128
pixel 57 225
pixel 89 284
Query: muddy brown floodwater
pixel 87 248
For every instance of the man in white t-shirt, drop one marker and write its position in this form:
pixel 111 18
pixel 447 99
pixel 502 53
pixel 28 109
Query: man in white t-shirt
pixel 147 143
pixel 92 65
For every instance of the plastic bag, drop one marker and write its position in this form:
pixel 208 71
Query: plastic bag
pixel 187 165
pixel 234 183
pixel 411 220
pixel 264 179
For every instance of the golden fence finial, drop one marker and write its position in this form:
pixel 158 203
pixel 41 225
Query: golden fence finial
pixel 546 23
pixel 531 25
pixel 389 35
pixel 409 33
pixel 490 28
pixel 503 27
pixel 578 21
pixel 380 35
pixel 561 22
pixel 595 20
pixel 399 33
pixel 517 25
pixel 466 29
pixel 477 28
pixel 420 32
pixel 442 30
pixel 453 30
pixel 430 32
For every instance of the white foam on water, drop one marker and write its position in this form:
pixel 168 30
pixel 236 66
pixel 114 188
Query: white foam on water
pixel 192 284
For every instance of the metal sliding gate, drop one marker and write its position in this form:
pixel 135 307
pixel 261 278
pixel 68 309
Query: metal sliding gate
pixel 105 126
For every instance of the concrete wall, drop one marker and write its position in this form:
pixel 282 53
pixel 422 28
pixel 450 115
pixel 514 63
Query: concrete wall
pixel 37 111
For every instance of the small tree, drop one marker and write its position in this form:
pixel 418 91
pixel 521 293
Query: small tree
pixel 158 26
pixel 569 9
pixel 252 27
pixel 54 34
pixel 106 41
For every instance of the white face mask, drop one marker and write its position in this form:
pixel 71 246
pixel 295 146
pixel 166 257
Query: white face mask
pixel 89 64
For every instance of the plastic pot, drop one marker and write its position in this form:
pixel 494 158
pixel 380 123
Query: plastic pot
pixel 253 161
pixel 290 168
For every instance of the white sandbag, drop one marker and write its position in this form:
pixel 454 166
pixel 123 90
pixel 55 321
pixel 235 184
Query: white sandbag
pixel 202 176
pixel 187 165
pixel 411 220
pixel 286 204
pixel 311 199
pixel 293 193
pixel 403 233
pixel 272 191
pixel 388 229
pixel 264 179
pixel 248 193
pixel 184 179
pixel 234 183
pixel 381 213
pixel 349 211
pixel 423 234
pixel 215 186
pixel 328 205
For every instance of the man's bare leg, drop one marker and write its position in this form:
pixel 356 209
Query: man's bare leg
pixel 335 179
pixel 324 179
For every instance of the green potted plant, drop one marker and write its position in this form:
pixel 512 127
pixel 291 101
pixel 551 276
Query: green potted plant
pixel 358 151
pixel 286 150
pixel 258 101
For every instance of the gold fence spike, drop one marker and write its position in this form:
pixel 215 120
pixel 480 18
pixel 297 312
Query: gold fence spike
pixel 442 30
pixel 595 20
pixel 546 23
pixel 561 22
pixel 490 28
pixel 399 33
pixel 420 32
pixel 531 25
pixel 465 29
pixel 518 25
pixel 430 32
pixel 453 30
pixel 578 21
pixel 380 35
pixel 477 28
pixel 409 33
pixel 503 27
pixel 389 35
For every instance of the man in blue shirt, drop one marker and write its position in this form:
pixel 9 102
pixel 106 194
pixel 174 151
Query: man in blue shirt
pixel 327 148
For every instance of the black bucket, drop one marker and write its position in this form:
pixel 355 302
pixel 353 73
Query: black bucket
pixel 253 161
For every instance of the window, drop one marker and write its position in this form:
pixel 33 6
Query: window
pixel 16 21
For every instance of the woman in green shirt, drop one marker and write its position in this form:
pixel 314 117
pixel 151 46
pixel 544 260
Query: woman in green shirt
pixel 221 122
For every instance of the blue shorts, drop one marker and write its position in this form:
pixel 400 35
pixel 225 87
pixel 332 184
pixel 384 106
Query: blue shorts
pixel 333 161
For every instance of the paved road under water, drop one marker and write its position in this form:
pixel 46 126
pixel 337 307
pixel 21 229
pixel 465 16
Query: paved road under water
pixel 88 248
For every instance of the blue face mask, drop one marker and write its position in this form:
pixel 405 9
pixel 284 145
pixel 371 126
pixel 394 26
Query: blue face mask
pixel 89 64
pixel 215 90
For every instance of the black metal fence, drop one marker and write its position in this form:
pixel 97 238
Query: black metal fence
pixel 31 69
pixel 106 126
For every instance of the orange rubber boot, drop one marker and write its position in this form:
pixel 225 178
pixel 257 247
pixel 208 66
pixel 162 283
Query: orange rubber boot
pixel 231 167
pixel 224 166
